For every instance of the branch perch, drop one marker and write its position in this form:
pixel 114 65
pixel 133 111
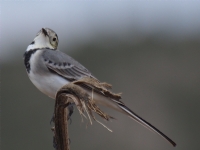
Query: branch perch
pixel 61 139
pixel 74 93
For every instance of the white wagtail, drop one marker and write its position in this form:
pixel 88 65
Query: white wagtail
pixel 50 69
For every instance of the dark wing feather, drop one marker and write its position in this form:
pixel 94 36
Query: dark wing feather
pixel 64 65
pixel 69 68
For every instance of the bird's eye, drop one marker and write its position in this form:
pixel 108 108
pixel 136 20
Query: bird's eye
pixel 54 39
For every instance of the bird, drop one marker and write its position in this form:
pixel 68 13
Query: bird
pixel 49 69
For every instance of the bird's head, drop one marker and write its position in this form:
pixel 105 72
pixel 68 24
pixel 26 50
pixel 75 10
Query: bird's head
pixel 45 38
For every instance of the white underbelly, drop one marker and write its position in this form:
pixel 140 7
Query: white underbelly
pixel 48 84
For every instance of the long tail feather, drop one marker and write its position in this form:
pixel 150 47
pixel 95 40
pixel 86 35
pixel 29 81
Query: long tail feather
pixel 146 124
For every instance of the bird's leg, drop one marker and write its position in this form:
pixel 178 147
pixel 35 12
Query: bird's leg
pixel 54 143
pixel 71 110
pixel 52 119
pixel 54 139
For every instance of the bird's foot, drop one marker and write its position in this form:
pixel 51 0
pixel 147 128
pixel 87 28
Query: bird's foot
pixel 71 110
pixel 52 119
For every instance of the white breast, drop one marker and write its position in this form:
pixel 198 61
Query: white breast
pixel 45 81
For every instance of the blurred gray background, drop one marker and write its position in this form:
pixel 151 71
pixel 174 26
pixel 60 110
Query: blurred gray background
pixel 148 50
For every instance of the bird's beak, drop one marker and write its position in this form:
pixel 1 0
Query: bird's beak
pixel 44 32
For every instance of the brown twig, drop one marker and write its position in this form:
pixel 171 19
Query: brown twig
pixel 61 121
pixel 85 103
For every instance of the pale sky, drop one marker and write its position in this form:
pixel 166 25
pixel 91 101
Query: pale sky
pixel 75 20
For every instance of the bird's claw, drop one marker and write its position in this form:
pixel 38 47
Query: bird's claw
pixel 71 110
pixel 52 119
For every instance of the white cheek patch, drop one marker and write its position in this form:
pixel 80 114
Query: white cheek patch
pixel 40 41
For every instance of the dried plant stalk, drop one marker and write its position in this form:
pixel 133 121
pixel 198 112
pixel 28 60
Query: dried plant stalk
pixel 74 92
pixel 61 113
